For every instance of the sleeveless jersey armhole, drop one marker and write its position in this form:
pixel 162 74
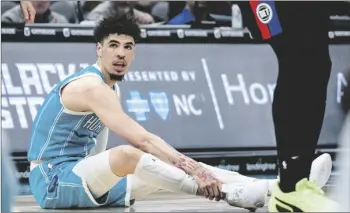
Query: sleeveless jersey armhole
pixel 65 109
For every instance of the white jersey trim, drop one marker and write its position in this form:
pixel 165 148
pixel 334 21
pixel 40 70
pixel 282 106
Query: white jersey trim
pixel 117 89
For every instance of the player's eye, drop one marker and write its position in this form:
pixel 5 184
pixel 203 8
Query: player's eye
pixel 113 45
pixel 128 47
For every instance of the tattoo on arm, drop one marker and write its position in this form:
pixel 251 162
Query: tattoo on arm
pixel 185 163
pixel 205 175
pixel 190 166
pixel 202 175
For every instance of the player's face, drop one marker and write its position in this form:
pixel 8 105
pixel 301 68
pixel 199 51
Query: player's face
pixel 116 53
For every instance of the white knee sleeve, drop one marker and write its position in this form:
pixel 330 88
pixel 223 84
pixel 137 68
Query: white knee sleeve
pixel 97 173
pixel 164 176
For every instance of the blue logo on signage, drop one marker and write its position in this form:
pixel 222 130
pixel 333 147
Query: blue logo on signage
pixel 160 103
pixel 140 107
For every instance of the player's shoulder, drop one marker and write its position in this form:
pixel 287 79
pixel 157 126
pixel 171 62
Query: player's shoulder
pixel 85 84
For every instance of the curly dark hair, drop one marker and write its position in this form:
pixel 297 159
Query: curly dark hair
pixel 120 24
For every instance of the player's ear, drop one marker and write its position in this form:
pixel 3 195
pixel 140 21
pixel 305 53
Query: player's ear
pixel 133 57
pixel 99 49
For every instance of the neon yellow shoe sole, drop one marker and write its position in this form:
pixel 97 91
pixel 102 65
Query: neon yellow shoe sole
pixel 307 197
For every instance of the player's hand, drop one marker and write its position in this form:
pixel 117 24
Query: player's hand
pixel 208 184
pixel 28 11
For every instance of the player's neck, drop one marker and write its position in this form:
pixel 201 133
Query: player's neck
pixel 105 75
pixel 107 79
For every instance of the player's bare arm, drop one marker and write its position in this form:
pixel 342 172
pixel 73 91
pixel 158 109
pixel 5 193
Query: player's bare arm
pixel 96 96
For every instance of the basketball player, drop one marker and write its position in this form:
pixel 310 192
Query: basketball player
pixel 298 34
pixel 69 165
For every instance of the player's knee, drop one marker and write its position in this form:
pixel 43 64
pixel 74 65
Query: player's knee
pixel 123 159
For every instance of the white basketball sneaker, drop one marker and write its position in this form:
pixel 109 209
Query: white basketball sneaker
pixel 321 170
pixel 249 195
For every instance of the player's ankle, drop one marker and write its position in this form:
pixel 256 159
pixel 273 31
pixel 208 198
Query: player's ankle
pixel 292 170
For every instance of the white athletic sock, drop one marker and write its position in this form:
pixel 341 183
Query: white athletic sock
pixel 228 176
pixel 164 176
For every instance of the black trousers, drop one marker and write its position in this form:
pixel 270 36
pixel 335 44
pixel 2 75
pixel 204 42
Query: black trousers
pixel 298 34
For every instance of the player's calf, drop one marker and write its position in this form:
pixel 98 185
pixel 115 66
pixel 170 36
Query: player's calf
pixel 126 160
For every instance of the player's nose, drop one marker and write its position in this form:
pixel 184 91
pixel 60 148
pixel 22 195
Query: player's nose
pixel 120 52
pixel 119 56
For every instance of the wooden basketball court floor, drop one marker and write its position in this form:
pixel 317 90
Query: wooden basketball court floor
pixel 162 201
pixel 158 202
